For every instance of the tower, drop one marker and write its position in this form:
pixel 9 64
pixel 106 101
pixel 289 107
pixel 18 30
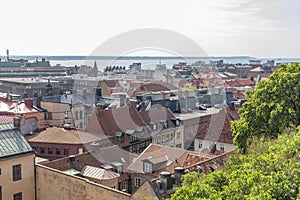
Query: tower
pixel 95 69
pixel 7 54
pixel 49 90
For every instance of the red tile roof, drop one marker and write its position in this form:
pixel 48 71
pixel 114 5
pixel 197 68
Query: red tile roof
pixel 209 165
pixel 112 83
pixel 239 83
pixel 17 107
pixel 64 136
pixel 95 158
pixel 156 115
pixel 111 121
pixel 246 82
pixel 151 87
pixel 237 94
pixel 168 158
pixel 218 127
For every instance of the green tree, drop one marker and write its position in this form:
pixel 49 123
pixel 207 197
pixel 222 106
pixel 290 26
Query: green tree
pixel 270 109
pixel 270 170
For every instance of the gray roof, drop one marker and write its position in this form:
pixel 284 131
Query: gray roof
pixel 12 143
pixel 258 69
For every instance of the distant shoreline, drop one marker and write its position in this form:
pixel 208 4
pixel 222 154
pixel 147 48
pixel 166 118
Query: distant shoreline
pixel 33 57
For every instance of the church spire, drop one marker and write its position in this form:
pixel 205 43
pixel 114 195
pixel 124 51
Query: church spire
pixel 95 65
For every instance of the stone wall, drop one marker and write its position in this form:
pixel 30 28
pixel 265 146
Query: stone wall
pixel 53 184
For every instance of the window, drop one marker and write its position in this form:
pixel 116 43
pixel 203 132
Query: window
pixel 147 167
pixel 178 135
pixel 134 149
pixel 222 147
pixel 121 138
pixel 57 151
pixel 165 124
pixel 50 151
pixel 154 127
pixel 0 192
pixel 17 172
pixel 123 185
pixel 50 116
pixel 200 144
pixel 76 115
pixel 66 152
pixel 42 150
pixel 167 138
pixel 120 169
pixel 80 151
pixel 178 146
pixel 140 130
pixel 137 182
pixel 18 196
pixel 156 140
pixel 34 148
pixel 132 138
pixel 81 125
pixel 66 115
pixel 81 115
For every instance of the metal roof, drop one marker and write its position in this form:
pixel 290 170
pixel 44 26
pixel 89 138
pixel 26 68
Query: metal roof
pixel 98 173
pixel 7 126
pixel 116 163
pixel 119 134
pixel 12 142
pixel 71 171
pixel 129 132
pixel 139 128
pixel 106 166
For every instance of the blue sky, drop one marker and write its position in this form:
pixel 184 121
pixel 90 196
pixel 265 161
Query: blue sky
pixel 261 28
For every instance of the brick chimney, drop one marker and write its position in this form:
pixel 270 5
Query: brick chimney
pixel 28 103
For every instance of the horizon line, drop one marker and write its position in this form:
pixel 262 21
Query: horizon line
pixel 143 56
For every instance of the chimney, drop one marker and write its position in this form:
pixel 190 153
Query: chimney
pixel 8 96
pixel 72 158
pixel 166 181
pixel 178 172
pixel 29 103
pixel 231 106
pixel 242 101
pixel 17 123
pixel 122 100
pixel 39 99
pixel 95 146
pixel 84 93
pixel 213 149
